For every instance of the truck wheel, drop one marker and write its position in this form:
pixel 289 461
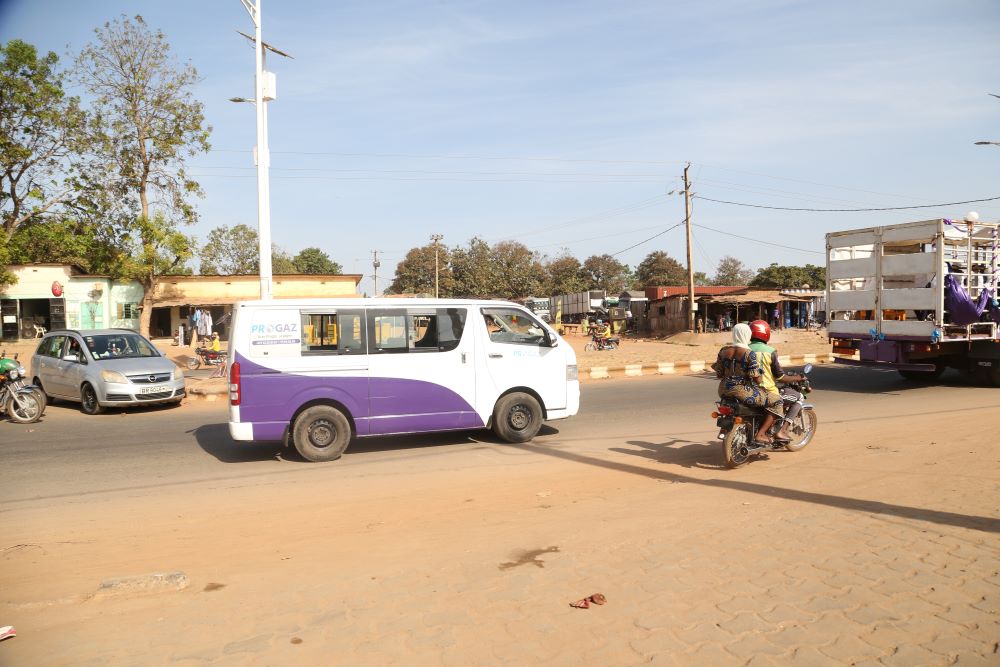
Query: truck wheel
pixel 321 433
pixel 924 376
pixel 517 417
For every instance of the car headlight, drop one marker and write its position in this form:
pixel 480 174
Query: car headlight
pixel 114 376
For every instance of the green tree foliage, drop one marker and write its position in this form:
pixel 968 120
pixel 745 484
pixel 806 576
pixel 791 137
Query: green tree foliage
pixel 230 251
pixel 785 277
pixel 476 274
pixel 732 271
pixel 659 268
pixel 701 278
pixel 148 124
pixel 564 275
pixel 281 262
pixel 315 261
pixel 415 274
pixel 607 273
pixel 39 134
pixel 520 271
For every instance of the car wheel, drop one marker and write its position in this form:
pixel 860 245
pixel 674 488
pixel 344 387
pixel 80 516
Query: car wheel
pixel 517 417
pixel 321 433
pixel 88 400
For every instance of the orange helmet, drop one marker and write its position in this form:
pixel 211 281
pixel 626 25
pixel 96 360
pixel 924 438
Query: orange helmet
pixel 760 330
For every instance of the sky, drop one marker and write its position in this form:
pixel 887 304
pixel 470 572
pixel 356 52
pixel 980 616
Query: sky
pixel 566 125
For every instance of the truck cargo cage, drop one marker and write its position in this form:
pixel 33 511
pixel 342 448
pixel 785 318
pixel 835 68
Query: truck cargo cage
pixel 889 282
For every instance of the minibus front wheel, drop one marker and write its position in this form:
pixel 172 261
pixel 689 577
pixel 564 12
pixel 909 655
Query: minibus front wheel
pixel 517 417
pixel 321 433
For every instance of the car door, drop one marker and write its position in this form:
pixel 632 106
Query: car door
pixel 517 354
pixel 48 361
pixel 71 365
pixel 421 370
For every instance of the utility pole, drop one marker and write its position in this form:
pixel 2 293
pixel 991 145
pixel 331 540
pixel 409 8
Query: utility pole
pixel 436 238
pixel 687 222
pixel 375 265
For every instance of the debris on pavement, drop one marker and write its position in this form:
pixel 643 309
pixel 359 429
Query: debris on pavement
pixel 7 631
pixel 596 598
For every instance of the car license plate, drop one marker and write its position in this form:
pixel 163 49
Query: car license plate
pixel 155 389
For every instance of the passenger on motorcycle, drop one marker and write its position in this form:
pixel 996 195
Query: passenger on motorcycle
pixel 602 332
pixel 739 370
pixel 772 373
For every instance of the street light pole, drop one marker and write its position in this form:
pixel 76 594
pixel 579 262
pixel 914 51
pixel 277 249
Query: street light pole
pixel 436 238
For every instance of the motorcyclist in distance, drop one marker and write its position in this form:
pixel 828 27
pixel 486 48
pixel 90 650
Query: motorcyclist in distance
pixel 772 373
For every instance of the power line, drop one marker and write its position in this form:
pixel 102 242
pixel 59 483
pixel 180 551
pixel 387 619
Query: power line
pixel 848 210
pixel 614 254
pixel 747 238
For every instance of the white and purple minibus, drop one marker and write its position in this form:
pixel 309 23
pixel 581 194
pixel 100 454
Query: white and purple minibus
pixel 317 373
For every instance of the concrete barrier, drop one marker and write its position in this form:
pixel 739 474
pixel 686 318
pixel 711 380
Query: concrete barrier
pixel 696 366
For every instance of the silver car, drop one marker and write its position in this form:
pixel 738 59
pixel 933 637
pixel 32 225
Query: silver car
pixel 103 368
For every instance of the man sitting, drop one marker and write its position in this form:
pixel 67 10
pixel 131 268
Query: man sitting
pixel 772 373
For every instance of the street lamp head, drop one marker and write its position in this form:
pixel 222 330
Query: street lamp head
pixel 241 99
pixel 988 143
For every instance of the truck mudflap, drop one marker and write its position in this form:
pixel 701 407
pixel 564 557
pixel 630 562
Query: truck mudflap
pixel 888 365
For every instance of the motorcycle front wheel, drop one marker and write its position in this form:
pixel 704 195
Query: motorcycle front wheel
pixel 24 408
pixel 194 363
pixel 735 445
pixel 589 347
pixel 803 430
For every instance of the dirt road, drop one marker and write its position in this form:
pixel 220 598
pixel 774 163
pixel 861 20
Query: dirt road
pixel 876 544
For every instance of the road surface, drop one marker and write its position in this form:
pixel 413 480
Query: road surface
pixel 878 542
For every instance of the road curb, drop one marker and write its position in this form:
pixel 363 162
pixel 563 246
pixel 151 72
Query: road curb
pixel 695 366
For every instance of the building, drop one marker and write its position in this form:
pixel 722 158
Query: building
pixel 58 296
pixel 176 298
pixel 720 307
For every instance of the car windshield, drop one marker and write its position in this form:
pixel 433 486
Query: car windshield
pixel 119 346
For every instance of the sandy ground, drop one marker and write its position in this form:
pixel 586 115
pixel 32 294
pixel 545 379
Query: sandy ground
pixel 878 546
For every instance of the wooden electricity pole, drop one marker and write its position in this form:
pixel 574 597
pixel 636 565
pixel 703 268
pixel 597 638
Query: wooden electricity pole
pixel 687 224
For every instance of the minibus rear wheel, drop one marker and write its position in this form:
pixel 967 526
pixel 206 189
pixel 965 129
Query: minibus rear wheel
pixel 321 433
pixel 517 417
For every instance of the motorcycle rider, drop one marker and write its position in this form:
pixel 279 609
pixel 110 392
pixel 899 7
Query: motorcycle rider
pixel 739 371
pixel 216 345
pixel 602 332
pixel 772 373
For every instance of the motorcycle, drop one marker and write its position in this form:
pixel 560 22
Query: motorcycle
pixel 203 355
pixel 739 424
pixel 24 403
pixel 599 343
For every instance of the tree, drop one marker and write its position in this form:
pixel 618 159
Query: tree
pixel 731 272
pixel 564 275
pixel 785 277
pixel 606 273
pixel 315 261
pixel 230 251
pixel 659 268
pixel 476 274
pixel 521 273
pixel 148 123
pixel 39 132
pixel 701 278
pixel 281 262
pixel 415 274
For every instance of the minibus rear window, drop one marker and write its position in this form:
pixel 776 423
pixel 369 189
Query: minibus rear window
pixel 333 332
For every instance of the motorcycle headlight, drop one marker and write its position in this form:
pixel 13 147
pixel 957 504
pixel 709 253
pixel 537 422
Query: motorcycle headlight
pixel 22 371
pixel 13 374
pixel 114 376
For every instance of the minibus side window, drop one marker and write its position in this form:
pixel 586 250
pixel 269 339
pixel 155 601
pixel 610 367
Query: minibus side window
pixel 388 331
pixel 451 325
pixel 507 325
pixel 333 333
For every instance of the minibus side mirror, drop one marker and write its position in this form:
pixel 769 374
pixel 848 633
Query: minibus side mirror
pixel 550 340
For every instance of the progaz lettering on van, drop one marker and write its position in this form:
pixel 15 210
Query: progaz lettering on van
pixel 318 373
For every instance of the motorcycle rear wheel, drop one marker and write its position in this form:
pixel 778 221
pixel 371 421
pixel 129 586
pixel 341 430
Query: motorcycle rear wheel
pixel 808 422
pixel 735 445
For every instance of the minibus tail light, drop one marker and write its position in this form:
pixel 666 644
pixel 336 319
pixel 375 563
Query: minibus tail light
pixel 572 373
pixel 234 383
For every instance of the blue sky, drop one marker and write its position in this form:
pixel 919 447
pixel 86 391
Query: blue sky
pixel 565 124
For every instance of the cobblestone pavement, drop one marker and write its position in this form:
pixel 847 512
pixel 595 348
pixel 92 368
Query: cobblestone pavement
pixel 876 545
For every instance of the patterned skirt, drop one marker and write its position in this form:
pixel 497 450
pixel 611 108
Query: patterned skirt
pixel 752 395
